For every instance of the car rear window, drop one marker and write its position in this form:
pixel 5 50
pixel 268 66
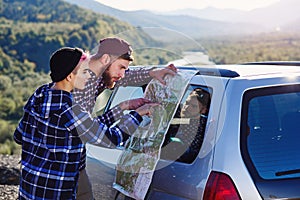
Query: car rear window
pixel 271 132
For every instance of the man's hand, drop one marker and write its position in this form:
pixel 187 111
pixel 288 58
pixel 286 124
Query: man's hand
pixel 133 104
pixel 159 74
pixel 146 109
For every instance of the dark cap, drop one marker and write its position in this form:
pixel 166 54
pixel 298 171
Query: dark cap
pixel 63 62
pixel 115 46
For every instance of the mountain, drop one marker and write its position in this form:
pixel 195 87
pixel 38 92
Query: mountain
pixel 276 15
pixel 180 25
pixel 210 21
pixel 273 16
pixel 32 29
pixel 210 13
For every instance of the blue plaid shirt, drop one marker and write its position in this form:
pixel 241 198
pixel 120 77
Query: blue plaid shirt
pixel 52 133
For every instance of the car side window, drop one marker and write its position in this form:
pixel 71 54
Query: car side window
pixel 101 102
pixel 186 132
pixel 125 93
pixel 185 135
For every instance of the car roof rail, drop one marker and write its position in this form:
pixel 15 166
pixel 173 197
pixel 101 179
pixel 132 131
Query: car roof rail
pixel 283 63
pixel 213 71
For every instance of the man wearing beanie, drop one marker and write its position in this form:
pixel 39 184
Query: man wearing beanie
pixel 54 129
pixel 109 67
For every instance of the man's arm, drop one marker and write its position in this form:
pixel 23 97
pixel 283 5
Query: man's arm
pixel 143 75
pixel 116 113
pixel 94 131
pixel 136 77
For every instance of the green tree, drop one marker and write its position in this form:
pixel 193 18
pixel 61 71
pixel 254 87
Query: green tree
pixel 5 83
pixel 7 107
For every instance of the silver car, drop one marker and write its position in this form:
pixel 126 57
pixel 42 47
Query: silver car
pixel 250 144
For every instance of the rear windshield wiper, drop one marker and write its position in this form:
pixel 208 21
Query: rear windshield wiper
pixel 288 172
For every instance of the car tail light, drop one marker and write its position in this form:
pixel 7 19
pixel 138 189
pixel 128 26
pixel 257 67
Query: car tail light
pixel 220 187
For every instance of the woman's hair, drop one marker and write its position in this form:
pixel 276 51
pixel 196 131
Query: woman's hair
pixel 83 60
pixel 202 96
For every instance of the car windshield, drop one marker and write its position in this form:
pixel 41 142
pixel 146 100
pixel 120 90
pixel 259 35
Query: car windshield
pixel 273 131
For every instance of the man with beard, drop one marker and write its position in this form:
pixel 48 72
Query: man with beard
pixel 109 68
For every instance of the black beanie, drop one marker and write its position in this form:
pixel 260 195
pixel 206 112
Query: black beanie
pixel 63 62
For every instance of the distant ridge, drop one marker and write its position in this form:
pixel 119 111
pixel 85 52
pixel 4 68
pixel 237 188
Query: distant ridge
pixel 191 26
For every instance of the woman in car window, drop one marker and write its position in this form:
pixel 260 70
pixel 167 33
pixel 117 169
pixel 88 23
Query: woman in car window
pixel 186 137
pixel 191 134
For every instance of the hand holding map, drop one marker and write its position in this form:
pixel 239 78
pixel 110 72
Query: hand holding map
pixel 136 164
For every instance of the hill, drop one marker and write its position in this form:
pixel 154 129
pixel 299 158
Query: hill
pixel 32 29
pixel 180 24
pixel 210 21
pixel 280 13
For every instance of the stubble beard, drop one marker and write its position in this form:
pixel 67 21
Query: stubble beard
pixel 107 79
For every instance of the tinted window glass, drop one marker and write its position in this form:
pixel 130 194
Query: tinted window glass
pixel 272 132
pixel 101 102
pixel 126 93
pixel 186 132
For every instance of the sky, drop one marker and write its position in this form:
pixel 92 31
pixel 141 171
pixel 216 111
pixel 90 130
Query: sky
pixel 170 5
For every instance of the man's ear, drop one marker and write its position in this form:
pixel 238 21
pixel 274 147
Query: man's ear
pixel 105 59
pixel 69 77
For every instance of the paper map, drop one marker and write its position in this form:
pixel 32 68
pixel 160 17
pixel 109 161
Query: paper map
pixel 136 164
